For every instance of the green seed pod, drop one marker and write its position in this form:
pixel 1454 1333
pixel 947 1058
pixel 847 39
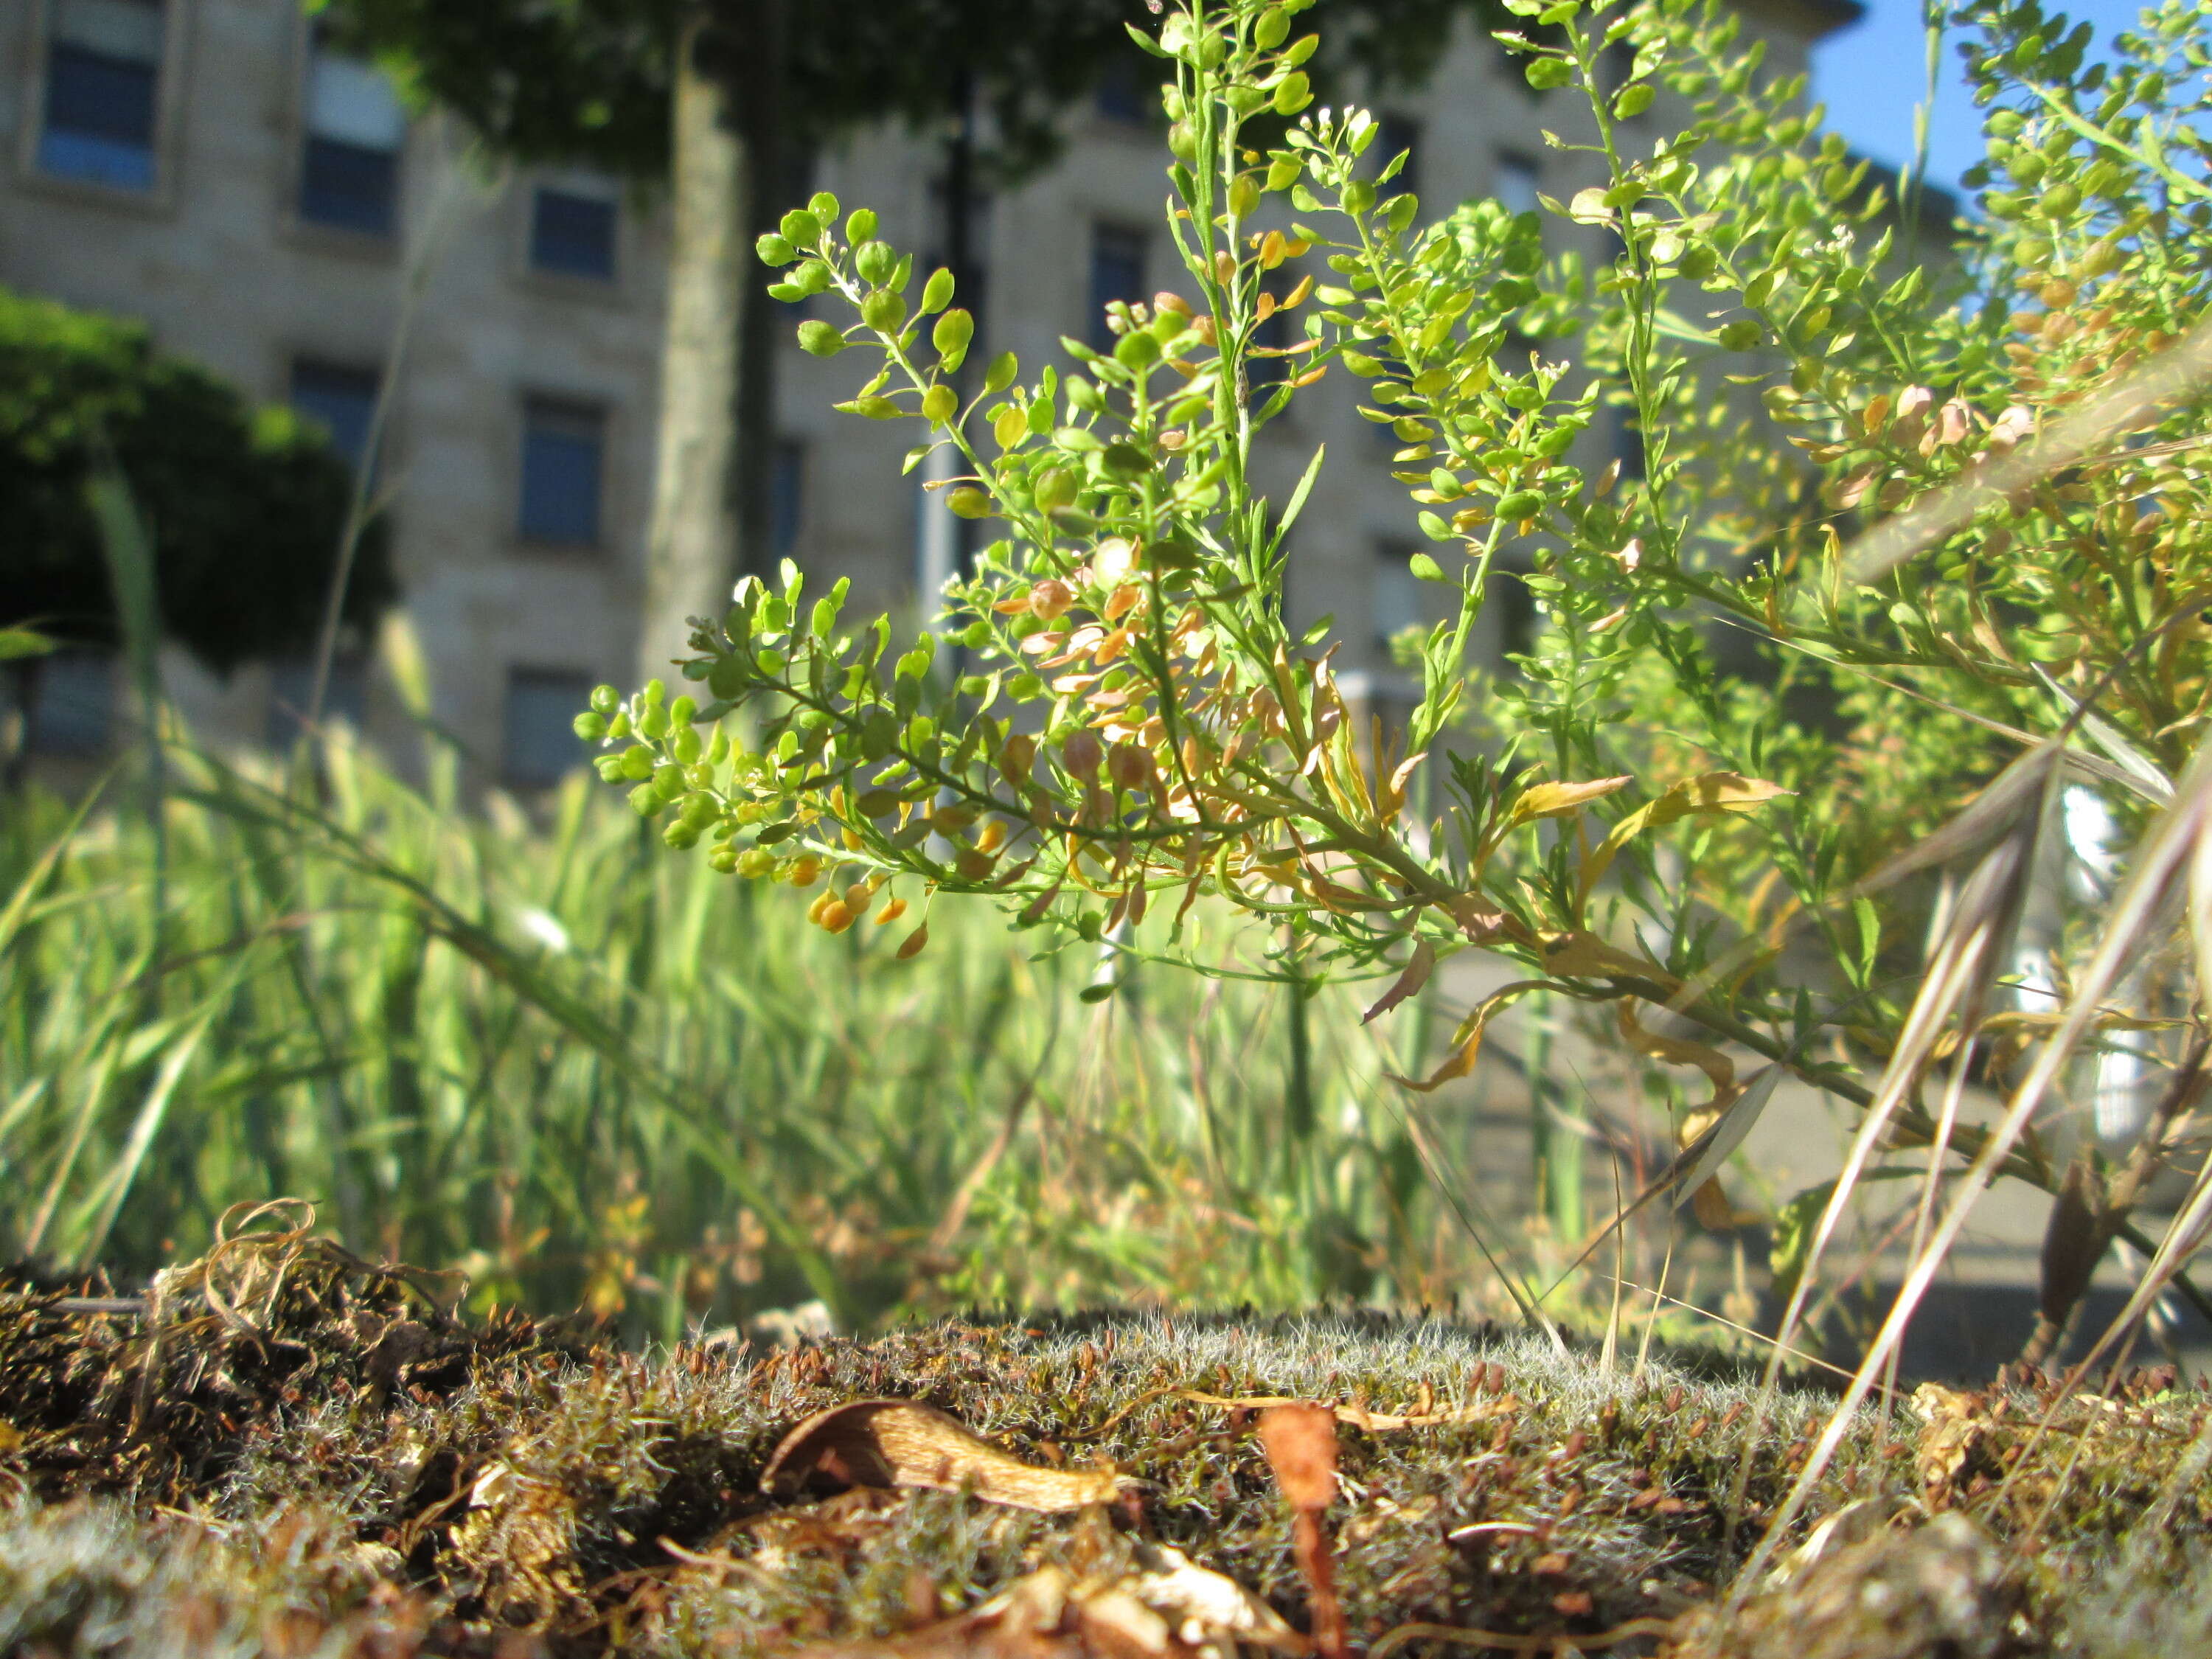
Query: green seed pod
pixel 883 311
pixel 619 727
pixel 770 660
pixel 680 835
pixel 1633 100
pixel 1521 504
pixel 823 207
pixel 1545 73
pixel 609 767
pixel 1182 142
pixel 686 746
pixel 645 800
pixel 937 292
pixel 1126 461
pixel 1293 94
pixel 800 228
pixel 954 329
pixel 860 226
pixel 1137 348
pixel 776 252
pixel 968 502
pixel 875 261
pixel 723 860
pixel 1004 367
pixel 1273 28
pixel 1055 488
pixel 654 724
pixel 819 339
pixel 726 678
pixel 939 404
pixel 605 700
pixel 1741 335
pixel 589 726
pixel 637 762
pixel 681 711
pixel 1243 195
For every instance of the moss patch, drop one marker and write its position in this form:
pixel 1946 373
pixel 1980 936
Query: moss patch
pixel 299 1453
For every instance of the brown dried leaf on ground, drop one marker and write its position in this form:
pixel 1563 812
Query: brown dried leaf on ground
pixel 1174 1609
pixel 901 1442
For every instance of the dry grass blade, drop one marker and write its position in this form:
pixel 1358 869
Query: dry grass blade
pixel 1976 938
pixel 2174 840
pixel 2182 370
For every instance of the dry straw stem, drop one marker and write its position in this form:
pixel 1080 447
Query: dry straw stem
pixel 2175 843
pixel 2179 371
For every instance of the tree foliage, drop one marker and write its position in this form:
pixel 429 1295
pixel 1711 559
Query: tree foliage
pixel 245 504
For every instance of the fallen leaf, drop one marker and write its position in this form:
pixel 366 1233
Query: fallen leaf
pixel 901 1442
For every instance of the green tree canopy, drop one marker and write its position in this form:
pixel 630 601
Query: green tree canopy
pixel 245 504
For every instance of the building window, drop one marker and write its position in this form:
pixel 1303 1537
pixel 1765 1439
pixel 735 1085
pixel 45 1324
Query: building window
pixel 103 68
pixel 1117 272
pixel 563 456
pixel 1507 597
pixel 571 234
pixel 1515 182
pixel 1628 443
pixel 1394 600
pixel 538 744
pixel 787 496
pixel 292 688
pixel 349 175
pixel 75 713
pixel 1401 135
pixel 342 399
pixel 1121 95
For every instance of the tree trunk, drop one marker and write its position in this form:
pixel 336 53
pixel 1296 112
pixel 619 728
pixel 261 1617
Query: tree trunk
pixel 715 455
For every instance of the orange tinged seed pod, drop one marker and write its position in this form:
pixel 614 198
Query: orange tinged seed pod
pixel 993 836
pixel 1129 765
pixel 1050 598
pixel 911 946
pixel 890 913
pixel 1018 756
pixel 853 840
pixel 804 873
pixel 858 897
pixel 1081 753
pixel 814 910
pixel 974 865
pixel 835 917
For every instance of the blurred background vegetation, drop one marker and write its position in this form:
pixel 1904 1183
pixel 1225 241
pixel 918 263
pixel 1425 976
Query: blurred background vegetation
pixel 536 1048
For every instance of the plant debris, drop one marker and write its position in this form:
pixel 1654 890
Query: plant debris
pixel 293 1451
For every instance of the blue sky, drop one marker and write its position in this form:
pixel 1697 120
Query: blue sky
pixel 1872 74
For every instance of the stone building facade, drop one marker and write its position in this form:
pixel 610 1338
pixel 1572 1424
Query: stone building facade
pixel 269 208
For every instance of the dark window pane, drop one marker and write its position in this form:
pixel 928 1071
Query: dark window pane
pixel 291 687
pixel 1628 442
pixel 788 495
pixel 538 744
pixel 1121 97
pixel 1401 134
pixel 1516 182
pixel 343 399
pixel 98 118
pixel 1117 272
pixel 562 446
pixel 1395 601
pixel 572 235
pixel 1507 594
pixel 349 186
pixel 75 713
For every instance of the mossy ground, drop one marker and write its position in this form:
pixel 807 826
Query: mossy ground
pixel 292 1453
